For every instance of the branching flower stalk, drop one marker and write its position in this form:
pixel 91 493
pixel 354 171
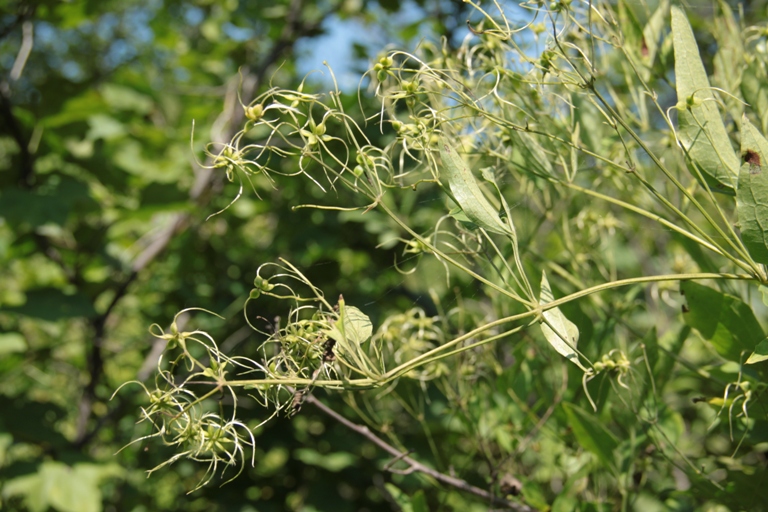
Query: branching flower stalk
pixel 490 110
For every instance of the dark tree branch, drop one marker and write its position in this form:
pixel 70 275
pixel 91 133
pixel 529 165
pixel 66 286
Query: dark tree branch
pixel 26 170
pixel 414 465
pixel 25 12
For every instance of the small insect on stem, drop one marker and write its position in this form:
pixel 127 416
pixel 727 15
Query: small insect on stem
pixel 328 355
pixel 300 394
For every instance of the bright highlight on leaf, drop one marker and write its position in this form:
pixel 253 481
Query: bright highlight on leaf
pixel 560 332
pixel 467 193
pixel 350 331
pixel 760 353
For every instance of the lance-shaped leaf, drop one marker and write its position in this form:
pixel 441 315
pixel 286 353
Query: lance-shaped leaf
pixel 752 194
pixel 760 354
pixel 466 192
pixel 591 434
pixel 700 127
pixel 723 320
pixel 560 332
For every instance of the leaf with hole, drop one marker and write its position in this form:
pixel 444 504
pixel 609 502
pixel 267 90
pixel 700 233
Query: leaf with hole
pixel 752 194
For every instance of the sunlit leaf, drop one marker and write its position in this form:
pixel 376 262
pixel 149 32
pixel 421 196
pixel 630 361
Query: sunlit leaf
pixel 467 193
pixel 701 129
pixel 752 194
pixel 11 342
pixel 560 332
pixel 760 353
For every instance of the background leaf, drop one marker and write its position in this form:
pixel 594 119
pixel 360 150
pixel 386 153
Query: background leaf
pixel 591 434
pixel 724 320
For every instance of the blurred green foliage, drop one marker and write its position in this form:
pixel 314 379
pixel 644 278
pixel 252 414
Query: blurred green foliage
pixel 105 229
pixel 102 233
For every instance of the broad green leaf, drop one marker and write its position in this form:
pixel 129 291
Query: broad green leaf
pixel 560 332
pixel 52 304
pixel 11 342
pixel 52 203
pixel 467 193
pixel 419 502
pixel 351 330
pixel 61 487
pixel 723 320
pixel 119 97
pixel 415 503
pixel 760 353
pixel 353 326
pixel 752 194
pixel 591 434
pixel 700 127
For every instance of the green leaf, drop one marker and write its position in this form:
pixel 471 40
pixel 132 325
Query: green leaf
pixel 11 342
pixel 351 330
pixel 560 332
pixel 52 304
pixel 467 193
pixel 700 127
pixel 530 155
pixel 754 87
pixel 653 30
pixel 51 203
pixel 729 59
pixel 333 462
pixel 723 320
pixel 120 97
pixel 415 503
pixel 61 487
pixel 752 194
pixel 760 353
pixel 458 214
pixel 353 326
pixel 591 434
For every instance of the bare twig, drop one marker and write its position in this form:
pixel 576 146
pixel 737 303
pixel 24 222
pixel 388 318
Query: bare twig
pixel 414 465
pixel 25 49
